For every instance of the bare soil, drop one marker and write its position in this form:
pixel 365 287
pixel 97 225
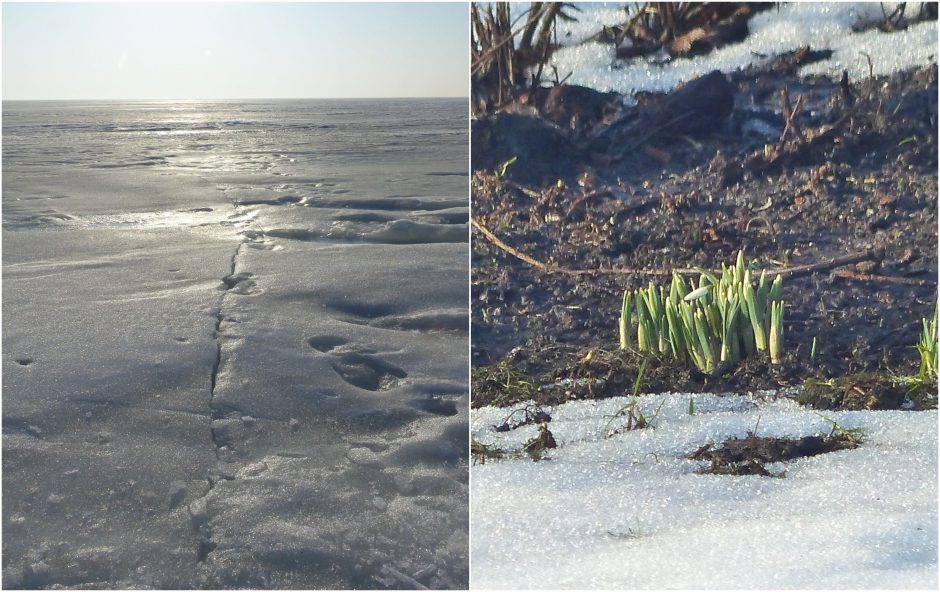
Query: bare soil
pixel 590 198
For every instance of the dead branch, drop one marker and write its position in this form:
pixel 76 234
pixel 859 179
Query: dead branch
pixel 847 274
pixel 801 270
pixel 548 268
pixel 798 271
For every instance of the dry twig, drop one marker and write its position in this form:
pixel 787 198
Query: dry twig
pixel 798 271
pixel 848 274
pixel 790 113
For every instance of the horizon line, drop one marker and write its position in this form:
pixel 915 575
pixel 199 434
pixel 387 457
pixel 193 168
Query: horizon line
pixel 465 97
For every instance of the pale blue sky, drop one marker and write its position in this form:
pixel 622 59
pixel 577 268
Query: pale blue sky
pixel 234 50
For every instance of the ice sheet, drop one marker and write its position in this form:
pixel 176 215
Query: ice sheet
pixel 205 382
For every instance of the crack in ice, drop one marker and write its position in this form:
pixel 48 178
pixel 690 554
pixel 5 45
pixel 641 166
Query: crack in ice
pixel 198 510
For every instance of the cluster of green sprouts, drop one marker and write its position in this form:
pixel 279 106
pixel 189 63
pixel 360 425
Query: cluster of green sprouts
pixel 927 346
pixel 718 323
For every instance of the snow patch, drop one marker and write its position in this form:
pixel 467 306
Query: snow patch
pixel 631 511
pixel 772 32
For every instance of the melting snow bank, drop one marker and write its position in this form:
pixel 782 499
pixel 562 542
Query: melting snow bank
pixel 632 512
pixel 771 33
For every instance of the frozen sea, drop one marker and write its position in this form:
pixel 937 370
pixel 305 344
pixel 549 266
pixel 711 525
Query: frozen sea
pixel 235 344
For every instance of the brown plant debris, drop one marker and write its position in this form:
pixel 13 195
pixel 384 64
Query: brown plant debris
pixel 866 390
pixel 528 415
pixel 480 452
pixel 748 455
pixel 502 51
pixel 543 441
pixel 683 28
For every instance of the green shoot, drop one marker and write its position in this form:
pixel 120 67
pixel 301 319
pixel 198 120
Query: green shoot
pixel 638 382
pixel 927 346
pixel 625 320
pixel 711 325
pixel 855 436
pixel 635 418
pixel 504 168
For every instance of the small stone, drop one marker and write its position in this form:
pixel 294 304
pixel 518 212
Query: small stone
pixel 248 420
pixel 294 424
pixel 34 431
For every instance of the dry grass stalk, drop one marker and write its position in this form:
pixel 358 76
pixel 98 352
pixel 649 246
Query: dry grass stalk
pixel 498 63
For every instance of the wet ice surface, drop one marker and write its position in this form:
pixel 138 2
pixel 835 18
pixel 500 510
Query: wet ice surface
pixel 630 512
pixel 234 345
pixel 771 33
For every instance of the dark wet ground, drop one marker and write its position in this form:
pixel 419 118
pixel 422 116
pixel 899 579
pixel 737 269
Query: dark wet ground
pixel 859 176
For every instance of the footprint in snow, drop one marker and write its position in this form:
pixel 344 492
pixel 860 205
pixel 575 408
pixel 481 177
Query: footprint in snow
pixel 358 366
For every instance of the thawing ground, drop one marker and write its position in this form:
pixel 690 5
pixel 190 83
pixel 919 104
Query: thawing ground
pixel 234 344
pixel 630 511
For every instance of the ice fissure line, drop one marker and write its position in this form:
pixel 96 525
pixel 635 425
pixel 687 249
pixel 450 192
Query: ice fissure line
pixel 199 515
pixel 217 331
pixel 218 355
